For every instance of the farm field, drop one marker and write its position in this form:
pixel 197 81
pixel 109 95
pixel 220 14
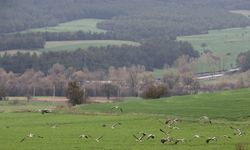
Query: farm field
pixel 74 45
pixel 245 13
pixel 85 25
pixel 221 42
pixel 61 130
pixel 71 46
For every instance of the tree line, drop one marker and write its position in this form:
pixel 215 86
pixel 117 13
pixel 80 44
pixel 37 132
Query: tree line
pixel 243 60
pixel 21 41
pixel 151 54
pixel 38 40
pixel 113 82
pixel 118 82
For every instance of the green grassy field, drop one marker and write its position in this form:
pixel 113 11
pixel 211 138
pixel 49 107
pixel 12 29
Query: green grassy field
pixel 225 108
pixel 231 105
pixel 85 25
pixel 73 45
pixel 221 42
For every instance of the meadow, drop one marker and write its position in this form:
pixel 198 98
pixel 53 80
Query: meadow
pixel 245 13
pixel 62 128
pixel 71 46
pixel 84 44
pixel 221 42
pixel 85 25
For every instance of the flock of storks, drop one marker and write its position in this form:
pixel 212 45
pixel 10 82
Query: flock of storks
pixel 140 136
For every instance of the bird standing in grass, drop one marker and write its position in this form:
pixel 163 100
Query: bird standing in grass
pixel 176 141
pixel 84 136
pixel 171 122
pixel 226 136
pixel 104 125
pixel 167 139
pixel 117 108
pixel 150 136
pixel 54 126
pixel 45 111
pixel 238 131
pixel 31 135
pixel 209 139
pixel 205 119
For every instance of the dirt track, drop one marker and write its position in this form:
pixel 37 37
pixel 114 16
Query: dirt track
pixel 64 99
pixel 50 99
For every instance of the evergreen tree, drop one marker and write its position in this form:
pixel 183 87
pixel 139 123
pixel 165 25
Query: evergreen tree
pixel 75 94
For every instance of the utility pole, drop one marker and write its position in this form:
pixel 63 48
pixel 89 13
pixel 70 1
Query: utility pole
pixel 84 93
pixel 84 59
pixel 34 91
pixel 54 91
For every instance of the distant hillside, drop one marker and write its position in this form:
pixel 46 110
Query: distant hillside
pixel 131 19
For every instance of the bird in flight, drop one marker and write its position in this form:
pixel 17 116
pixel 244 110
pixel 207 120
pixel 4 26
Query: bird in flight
pixel 115 124
pixel 196 136
pixel 165 132
pixel 139 139
pixel 98 139
pixel 31 135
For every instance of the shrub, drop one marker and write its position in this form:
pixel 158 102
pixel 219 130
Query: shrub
pixel 2 94
pixel 154 91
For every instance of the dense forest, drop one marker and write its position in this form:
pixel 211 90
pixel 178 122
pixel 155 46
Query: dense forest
pixel 151 54
pixel 131 19
pixel 21 41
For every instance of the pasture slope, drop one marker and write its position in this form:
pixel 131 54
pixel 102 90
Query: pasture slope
pixel 85 25
pixel 226 109
pixel 84 44
pixel 221 42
